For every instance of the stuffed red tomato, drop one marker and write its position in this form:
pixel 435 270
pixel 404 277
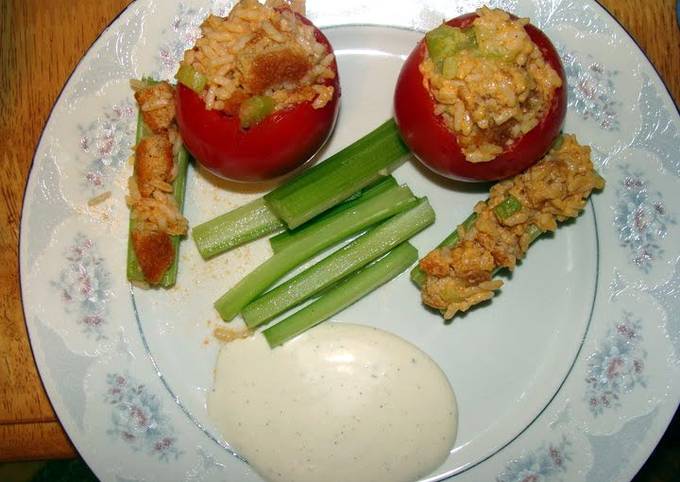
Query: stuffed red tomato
pixel 258 94
pixel 481 97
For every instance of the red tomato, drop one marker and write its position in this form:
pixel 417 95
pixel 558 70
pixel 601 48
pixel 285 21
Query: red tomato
pixel 278 144
pixel 437 147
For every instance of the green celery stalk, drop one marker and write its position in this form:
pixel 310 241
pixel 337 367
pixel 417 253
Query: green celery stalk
pixel 179 190
pixel 334 180
pixel 289 237
pixel 134 271
pixel 342 262
pixel 418 276
pixel 190 77
pixel 318 237
pixel 255 109
pixel 509 206
pixel 534 232
pixel 252 221
pixel 351 289
pixel 234 228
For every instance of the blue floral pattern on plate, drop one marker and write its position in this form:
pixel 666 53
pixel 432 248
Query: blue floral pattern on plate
pixel 545 463
pixel 183 32
pixel 84 286
pixel 107 141
pixel 591 86
pixel 138 418
pixel 617 367
pixel 641 218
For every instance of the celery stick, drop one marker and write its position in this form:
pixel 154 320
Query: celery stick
pixel 509 206
pixel 255 109
pixel 318 237
pixel 134 271
pixel 418 276
pixel 179 190
pixel 252 221
pixel 333 268
pixel 534 232
pixel 319 188
pixel 289 237
pixel 190 77
pixel 234 228
pixel 334 180
pixel 350 290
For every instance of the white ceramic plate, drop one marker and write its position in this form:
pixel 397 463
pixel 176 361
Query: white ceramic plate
pixel 572 373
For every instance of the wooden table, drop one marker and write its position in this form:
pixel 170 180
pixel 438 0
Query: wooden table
pixel 40 44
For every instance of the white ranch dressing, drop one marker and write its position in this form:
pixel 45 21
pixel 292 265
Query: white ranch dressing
pixel 341 402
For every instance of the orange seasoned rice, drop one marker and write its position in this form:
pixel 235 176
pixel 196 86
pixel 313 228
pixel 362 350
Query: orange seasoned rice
pixel 261 49
pixel 150 192
pixel 153 208
pixel 553 190
pixel 491 101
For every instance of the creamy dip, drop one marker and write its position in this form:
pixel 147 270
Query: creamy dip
pixel 341 402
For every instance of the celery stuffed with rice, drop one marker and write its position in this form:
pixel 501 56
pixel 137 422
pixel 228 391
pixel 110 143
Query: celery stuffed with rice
pixel 156 188
pixel 459 273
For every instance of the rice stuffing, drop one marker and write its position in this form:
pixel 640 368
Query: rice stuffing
pixel 153 209
pixel 495 87
pixel 261 50
pixel 98 199
pixel 553 190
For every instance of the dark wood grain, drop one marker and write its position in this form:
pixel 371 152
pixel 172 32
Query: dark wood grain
pixel 41 41
pixel 653 25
